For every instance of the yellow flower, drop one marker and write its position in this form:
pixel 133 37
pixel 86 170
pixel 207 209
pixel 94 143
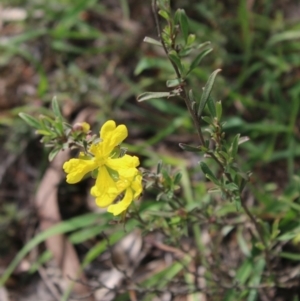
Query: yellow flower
pixel 82 127
pixel 115 175
pixel 85 127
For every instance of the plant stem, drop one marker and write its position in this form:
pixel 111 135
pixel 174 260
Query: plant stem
pixel 184 92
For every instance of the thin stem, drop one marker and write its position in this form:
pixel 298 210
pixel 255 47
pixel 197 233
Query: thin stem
pixel 184 92
pixel 249 214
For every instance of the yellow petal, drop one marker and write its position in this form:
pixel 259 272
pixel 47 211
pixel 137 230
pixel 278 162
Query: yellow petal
pixel 85 127
pixel 132 192
pixel 137 186
pixel 106 129
pixel 76 169
pixel 105 189
pixel 118 208
pixel 126 161
pixel 111 136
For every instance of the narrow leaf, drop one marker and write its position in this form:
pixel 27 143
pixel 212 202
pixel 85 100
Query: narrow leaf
pixel 173 82
pixel 152 41
pixel 218 105
pixel 198 59
pixel 207 119
pixel 202 45
pixel 211 107
pixel 243 139
pixel 206 170
pixel 176 60
pixel 177 178
pixel 284 36
pixel 291 256
pixel 255 280
pixel 184 24
pixel 56 109
pixel 207 91
pixel 159 166
pixel 44 132
pixel 234 146
pixel 30 120
pixel 164 14
pixel 53 153
pixel 191 39
pixel 189 148
pixel 244 271
pixel 153 95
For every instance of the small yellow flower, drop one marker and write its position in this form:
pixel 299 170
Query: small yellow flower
pixel 116 176
pixel 85 127
pixel 82 126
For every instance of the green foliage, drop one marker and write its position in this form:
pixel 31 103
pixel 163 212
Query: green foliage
pixel 207 190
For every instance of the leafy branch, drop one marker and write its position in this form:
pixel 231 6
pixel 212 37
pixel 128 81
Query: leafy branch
pixel 177 43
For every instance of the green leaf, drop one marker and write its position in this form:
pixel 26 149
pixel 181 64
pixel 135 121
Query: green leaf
pixel 100 247
pixel 190 148
pixel 159 167
pixel 207 91
pixel 30 120
pixel 244 271
pixel 59 128
pixel 234 146
pixel 284 36
pixel 44 132
pixel 191 39
pixel 243 139
pixel 184 24
pixel 53 153
pixel 202 45
pixel 147 63
pixel 208 173
pixel 160 279
pixel 237 201
pixel 86 233
pixel 46 122
pixel 56 109
pixel 152 41
pixel 177 178
pixel 164 14
pixel 243 244
pixel 259 245
pixel 153 95
pixel 173 82
pixel 231 187
pixel 198 59
pixel 207 119
pixel 218 105
pixel 63 46
pixel 289 235
pixel 176 60
pixel 258 268
pixel 291 256
pixel 211 107
pixel 275 230
pixel 42 259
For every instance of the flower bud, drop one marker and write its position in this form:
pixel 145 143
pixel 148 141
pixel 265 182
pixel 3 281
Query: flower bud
pixel 81 127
